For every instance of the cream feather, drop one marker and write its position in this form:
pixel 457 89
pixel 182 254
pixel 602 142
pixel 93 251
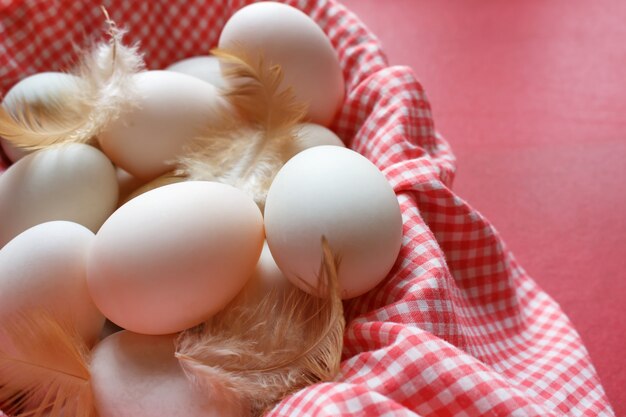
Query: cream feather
pixel 43 369
pixel 106 91
pixel 263 347
pixel 248 148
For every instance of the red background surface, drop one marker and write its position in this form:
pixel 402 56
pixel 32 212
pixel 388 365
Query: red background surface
pixel 532 97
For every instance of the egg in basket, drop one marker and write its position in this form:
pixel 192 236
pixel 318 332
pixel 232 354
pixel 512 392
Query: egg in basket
pixel 207 209
pixel 262 209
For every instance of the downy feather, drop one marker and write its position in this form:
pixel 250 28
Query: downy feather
pixel 251 145
pixel 44 369
pixel 265 346
pixel 106 91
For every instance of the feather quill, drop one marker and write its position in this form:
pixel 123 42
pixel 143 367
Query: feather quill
pixel 252 144
pixel 106 90
pixel 44 369
pixel 262 348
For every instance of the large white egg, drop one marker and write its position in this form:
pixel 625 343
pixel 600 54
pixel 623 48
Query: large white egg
pixel 171 258
pixel 207 68
pixel 40 89
pixel 44 269
pixel 172 109
pixel 286 36
pixel 136 375
pixel 334 192
pixel 72 182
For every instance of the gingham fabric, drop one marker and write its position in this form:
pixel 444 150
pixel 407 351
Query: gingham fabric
pixel 458 328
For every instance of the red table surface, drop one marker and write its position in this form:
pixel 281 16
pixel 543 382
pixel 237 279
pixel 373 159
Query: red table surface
pixel 532 97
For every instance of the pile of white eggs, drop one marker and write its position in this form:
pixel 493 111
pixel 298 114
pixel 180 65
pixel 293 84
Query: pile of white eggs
pixel 170 258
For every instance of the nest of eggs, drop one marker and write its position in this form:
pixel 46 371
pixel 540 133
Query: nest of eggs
pixel 227 265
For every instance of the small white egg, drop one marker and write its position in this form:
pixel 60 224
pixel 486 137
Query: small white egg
pixel 136 375
pixel 72 182
pixel 286 36
pixel 172 109
pixel 337 193
pixel 37 90
pixel 206 68
pixel 311 134
pixel 43 268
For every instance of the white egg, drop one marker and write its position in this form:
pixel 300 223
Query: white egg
pixel 135 375
pixel 37 90
pixel 174 256
pixel 172 109
pixel 286 36
pixel 43 268
pixel 206 68
pixel 311 134
pixel 337 193
pixel 72 182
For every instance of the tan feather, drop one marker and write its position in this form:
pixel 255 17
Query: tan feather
pixel 254 88
pixel 264 347
pixel 43 369
pixel 37 126
pixel 237 154
pixel 106 90
pixel 247 149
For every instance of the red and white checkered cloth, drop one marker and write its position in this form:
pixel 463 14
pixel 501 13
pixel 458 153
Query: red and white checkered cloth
pixel 458 328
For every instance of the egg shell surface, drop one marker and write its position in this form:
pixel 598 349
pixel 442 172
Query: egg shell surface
pixel 310 134
pixel 286 36
pixel 136 375
pixel 337 193
pixel 205 68
pixel 39 89
pixel 171 258
pixel 172 108
pixel 72 182
pixel 44 269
